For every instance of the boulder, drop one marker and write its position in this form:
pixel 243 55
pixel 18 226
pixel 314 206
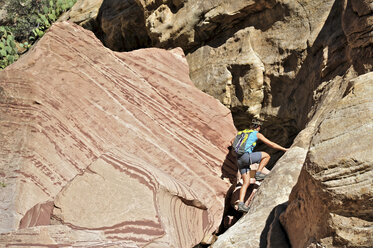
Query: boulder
pixel 332 203
pixel 121 147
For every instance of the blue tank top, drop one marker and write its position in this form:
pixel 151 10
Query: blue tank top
pixel 251 142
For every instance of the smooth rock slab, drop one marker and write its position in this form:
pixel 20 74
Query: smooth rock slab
pixel 59 236
pixel 111 138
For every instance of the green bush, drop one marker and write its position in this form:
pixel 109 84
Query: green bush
pixel 26 22
pixel 8 48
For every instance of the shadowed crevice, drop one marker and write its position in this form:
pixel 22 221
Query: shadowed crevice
pixel 121 26
pixel 273 234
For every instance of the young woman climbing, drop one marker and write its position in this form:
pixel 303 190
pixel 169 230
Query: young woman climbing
pixel 245 157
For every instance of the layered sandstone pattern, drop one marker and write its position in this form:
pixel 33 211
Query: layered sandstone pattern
pixel 259 58
pixel 332 203
pixel 297 64
pixel 108 148
pixel 247 54
pixel 61 236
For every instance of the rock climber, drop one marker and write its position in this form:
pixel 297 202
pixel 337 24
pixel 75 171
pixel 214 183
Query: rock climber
pixel 249 157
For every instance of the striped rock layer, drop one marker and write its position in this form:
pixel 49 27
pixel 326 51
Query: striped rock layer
pixel 108 149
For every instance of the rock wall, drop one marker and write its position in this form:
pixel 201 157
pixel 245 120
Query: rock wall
pixel 108 149
pixel 259 58
pixel 246 54
pixel 297 65
pixel 332 203
pixel 328 206
pixel 289 62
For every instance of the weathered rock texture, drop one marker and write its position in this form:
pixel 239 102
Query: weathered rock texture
pixel 60 236
pixel 256 57
pixel 247 54
pixel 259 58
pixel 121 25
pixel 110 149
pixel 323 208
pixel 3 11
pixel 84 13
pixel 294 63
pixel 252 229
pixel 332 203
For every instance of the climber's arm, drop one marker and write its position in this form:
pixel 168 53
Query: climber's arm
pixel 270 143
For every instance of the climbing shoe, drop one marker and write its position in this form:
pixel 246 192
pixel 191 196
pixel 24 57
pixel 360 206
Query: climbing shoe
pixel 260 176
pixel 242 207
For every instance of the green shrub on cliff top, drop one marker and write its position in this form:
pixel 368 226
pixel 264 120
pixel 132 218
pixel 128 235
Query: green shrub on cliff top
pixel 8 48
pixel 26 22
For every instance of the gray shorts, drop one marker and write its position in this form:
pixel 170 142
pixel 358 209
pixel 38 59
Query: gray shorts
pixel 247 159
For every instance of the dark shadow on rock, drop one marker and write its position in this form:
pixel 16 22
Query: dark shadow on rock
pixel 230 215
pixel 273 234
pixel 295 98
pixel 229 168
pixel 120 25
pixel 230 171
pixel 38 215
pixel 201 246
pixel 326 59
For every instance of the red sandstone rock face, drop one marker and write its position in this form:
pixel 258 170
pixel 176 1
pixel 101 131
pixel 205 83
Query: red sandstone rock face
pixel 123 144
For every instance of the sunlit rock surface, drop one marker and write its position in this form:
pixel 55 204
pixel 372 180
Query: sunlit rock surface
pixel 84 13
pixel 292 62
pixel 257 57
pixel 120 147
pixel 247 54
pixel 332 203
